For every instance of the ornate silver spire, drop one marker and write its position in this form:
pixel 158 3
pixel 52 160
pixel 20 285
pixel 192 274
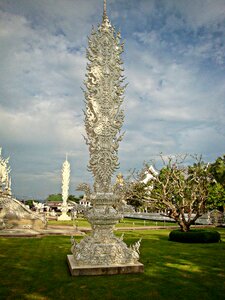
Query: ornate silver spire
pixel 103 121
pixel 104 96
pixel 104 9
pixel 65 189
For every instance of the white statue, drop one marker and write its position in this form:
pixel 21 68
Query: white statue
pixel 150 174
pixel 65 189
pixel 39 207
pixel 14 215
pixel 5 180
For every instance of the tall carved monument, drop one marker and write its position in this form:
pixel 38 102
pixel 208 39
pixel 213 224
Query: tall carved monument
pixel 102 252
pixel 65 190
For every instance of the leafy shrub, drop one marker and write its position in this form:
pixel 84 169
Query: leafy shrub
pixel 195 236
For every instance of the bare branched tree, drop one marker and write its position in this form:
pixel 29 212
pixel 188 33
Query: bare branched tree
pixel 181 191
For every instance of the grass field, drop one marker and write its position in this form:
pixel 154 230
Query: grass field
pixel 126 222
pixel 35 268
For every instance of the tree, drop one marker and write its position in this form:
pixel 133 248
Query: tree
pixel 218 170
pixel 74 198
pixel 134 190
pixel 134 194
pixel 216 198
pixel 179 190
pixel 54 198
pixel 30 203
pixel 58 198
pixel 217 188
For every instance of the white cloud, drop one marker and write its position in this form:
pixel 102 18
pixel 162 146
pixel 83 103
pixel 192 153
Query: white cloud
pixel 165 102
pixel 36 64
pixel 174 102
pixel 203 139
pixel 199 13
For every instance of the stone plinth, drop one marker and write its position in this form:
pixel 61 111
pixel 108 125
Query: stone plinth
pixel 103 269
pixel 64 217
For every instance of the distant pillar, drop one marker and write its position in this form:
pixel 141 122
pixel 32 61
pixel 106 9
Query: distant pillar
pixel 65 190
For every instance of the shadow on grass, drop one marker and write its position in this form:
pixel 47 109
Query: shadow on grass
pixel 36 269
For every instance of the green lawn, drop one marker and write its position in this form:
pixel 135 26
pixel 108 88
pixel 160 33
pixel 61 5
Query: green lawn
pixel 80 222
pixel 126 222
pixel 35 268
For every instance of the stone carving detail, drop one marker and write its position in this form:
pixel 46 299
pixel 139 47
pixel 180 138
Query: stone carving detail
pixel 85 187
pixel 104 96
pixel 5 179
pixel 108 250
pixel 136 249
pixel 65 181
pixel 103 121
pixel 65 189
pixel 14 215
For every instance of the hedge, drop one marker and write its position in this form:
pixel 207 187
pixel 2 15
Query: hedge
pixel 195 236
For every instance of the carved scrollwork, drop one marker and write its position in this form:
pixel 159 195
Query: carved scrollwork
pixel 103 121
pixel 104 96
pixel 5 179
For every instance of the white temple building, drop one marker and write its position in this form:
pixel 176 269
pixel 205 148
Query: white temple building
pixel 150 174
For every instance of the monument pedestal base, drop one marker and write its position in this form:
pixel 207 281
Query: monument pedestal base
pixel 102 270
pixel 64 217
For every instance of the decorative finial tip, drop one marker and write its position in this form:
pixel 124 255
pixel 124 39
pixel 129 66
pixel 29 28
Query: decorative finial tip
pixel 104 10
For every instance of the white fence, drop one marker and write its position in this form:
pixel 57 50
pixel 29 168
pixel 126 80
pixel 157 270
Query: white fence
pixel 205 219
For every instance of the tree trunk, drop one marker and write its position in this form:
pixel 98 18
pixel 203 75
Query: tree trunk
pixel 184 227
pixel 180 219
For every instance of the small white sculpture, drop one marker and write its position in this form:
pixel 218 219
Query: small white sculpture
pixel 39 207
pixel 65 190
pixel 136 249
pixel 5 179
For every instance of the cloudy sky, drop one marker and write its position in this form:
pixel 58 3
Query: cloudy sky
pixel 174 63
